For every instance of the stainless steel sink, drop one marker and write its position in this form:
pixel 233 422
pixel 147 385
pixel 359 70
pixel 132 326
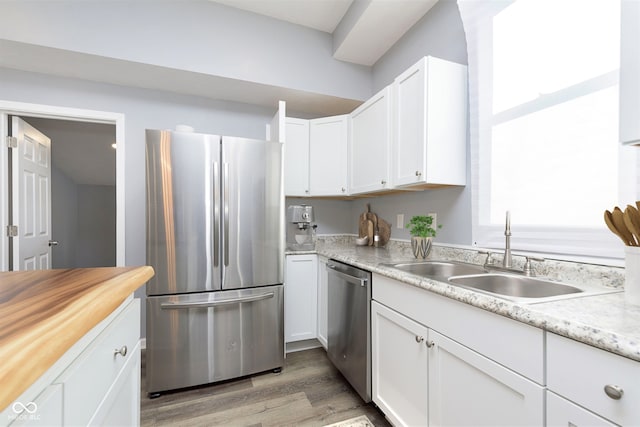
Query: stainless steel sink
pixel 439 269
pixel 514 287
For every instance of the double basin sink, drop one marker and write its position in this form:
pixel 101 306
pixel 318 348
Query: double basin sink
pixel 514 287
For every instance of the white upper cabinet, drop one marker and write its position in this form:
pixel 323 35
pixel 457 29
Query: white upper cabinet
pixel 430 124
pixel 328 156
pixel 370 145
pixel 296 157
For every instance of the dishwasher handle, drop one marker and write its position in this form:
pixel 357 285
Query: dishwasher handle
pixel 349 278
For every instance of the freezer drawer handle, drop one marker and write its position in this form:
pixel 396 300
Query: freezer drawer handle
pixel 349 278
pixel 204 304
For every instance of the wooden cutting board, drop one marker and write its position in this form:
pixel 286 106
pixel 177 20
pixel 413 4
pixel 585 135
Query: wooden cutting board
pixel 367 223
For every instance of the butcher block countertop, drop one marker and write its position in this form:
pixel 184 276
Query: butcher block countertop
pixel 43 313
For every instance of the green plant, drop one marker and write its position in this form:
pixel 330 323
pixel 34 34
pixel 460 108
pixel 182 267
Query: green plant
pixel 421 226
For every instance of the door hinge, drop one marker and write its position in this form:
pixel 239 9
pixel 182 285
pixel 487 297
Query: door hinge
pixel 12 230
pixel 12 142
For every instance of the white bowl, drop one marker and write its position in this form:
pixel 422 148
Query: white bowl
pixel 362 241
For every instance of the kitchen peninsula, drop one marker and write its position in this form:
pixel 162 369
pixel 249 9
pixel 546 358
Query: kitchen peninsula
pixel 60 327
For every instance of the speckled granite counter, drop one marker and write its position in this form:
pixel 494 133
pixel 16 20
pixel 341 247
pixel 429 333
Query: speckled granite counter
pixel 603 321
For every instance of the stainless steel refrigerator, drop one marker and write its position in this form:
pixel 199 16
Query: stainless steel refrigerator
pixel 215 237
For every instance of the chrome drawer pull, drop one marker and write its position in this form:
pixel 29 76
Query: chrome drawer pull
pixel 613 391
pixel 122 351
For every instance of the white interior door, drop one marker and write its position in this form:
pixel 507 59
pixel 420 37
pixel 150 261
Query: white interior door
pixel 31 197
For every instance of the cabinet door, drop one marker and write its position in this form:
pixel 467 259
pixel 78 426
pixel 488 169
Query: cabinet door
pixel 296 158
pixel 466 388
pixel 328 156
pixel 562 413
pixel 121 405
pixel 410 133
pixel 370 145
pixel 300 297
pixel 323 307
pixel 430 129
pixel 399 366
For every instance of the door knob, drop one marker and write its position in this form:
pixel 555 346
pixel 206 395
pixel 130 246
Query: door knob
pixel 53 243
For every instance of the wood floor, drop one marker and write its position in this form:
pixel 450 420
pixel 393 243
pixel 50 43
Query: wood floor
pixel 308 392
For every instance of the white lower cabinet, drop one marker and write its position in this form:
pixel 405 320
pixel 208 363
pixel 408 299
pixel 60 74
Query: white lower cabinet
pixel 96 382
pixel 300 297
pixel 604 383
pixel 434 362
pixel 468 389
pixel 399 359
pixel 323 306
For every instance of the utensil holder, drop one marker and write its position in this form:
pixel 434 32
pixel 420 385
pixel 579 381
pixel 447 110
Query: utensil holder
pixel 632 274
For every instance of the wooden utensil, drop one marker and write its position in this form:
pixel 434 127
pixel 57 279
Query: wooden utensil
pixel 370 231
pixel 632 221
pixel 608 219
pixel 618 221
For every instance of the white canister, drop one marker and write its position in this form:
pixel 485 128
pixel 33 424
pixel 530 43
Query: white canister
pixel 632 274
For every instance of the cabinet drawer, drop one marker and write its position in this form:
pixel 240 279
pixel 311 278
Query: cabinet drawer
pixel 562 413
pixel 580 373
pixel 89 377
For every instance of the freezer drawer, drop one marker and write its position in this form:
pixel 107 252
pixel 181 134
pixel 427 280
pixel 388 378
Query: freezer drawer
pixel 200 338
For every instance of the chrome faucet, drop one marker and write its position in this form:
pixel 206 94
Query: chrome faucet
pixel 507 260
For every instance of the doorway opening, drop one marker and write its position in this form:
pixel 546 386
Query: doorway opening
pixel 83 192
pixel 95 197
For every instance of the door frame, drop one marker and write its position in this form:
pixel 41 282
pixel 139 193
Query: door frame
pixel 79 115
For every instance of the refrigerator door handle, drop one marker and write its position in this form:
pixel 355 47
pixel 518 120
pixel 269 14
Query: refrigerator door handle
pixel 226 214
pixel 206 304
pixel 216 214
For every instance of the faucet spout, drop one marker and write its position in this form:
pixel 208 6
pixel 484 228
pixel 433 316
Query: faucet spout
pixel 507 260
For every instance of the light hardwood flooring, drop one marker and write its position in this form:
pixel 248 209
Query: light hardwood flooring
pixel 308 392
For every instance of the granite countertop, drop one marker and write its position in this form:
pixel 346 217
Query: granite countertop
pixel 43 313
pixel 604 321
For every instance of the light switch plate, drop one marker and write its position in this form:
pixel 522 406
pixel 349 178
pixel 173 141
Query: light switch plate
pixel 400 221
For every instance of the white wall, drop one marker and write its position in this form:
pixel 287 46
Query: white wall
pixel 96 226
pixel 64 219
pixel 196 35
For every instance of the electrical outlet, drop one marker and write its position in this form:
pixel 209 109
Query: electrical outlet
pixel 400 221
pixel 434 224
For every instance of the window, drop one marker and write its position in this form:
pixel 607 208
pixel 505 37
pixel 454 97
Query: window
pixel 543 89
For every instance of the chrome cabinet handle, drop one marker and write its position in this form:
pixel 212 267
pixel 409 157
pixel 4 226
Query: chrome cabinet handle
pixel 383 182
pixel 613 391
pixel 430 344
pixel 53 243
pixel 419 339
pixel 122 351
pixel 418 173
pixel 344 189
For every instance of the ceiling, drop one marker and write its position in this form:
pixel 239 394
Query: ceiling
pixel 363 30
pixel 322 15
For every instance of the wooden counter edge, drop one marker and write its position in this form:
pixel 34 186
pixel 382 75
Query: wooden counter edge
pixel 27 360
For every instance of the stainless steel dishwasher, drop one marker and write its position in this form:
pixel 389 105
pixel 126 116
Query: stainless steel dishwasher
pixel 349 324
